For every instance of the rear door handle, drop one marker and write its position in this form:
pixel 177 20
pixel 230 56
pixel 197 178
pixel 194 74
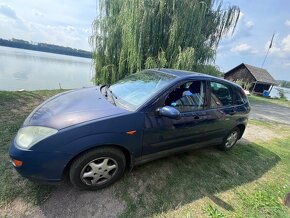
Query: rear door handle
pixel 196 117
pixel 232 112
pixel 179 125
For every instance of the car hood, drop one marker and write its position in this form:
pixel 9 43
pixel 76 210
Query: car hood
pixel 72 107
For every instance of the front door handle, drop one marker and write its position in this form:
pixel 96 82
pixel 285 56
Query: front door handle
pixel 196 117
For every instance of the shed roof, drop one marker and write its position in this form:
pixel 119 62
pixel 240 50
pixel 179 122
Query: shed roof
pixel 260 74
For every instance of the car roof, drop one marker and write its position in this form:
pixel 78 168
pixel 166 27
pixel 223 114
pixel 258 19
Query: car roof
pixel 179 73
pixel 183 74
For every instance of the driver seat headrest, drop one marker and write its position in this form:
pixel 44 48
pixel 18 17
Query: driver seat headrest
pixel 194 88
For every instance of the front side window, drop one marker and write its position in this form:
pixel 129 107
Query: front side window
pixel 221 95
pixel 188 97
pixel 133 91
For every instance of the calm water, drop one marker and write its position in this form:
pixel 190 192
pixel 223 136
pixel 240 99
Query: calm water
pixel 32 70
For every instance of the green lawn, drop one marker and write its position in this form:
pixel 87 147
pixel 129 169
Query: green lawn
pixel 14 107
pixel 249 181
pixel 261 100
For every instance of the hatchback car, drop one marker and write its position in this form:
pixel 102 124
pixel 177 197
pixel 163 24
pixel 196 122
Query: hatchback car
pixel 94 134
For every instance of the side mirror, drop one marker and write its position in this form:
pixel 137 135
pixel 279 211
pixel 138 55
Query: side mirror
pixel 169 112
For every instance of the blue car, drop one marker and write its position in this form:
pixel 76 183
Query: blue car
pixel 94 134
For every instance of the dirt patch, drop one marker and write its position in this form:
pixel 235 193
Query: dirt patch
pixel 262 133
pixel 287 200
pixel 18 208
pixel 67 201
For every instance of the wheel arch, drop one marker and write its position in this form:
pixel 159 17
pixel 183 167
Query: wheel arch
pixel 126 152
pixel 242 128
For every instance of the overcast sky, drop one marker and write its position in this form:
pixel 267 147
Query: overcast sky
pixel 62 22
pixel 68 22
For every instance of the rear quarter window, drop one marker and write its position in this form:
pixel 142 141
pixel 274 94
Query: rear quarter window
pixel 240 97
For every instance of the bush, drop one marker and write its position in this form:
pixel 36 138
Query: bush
pixel 209 69
pixel 281 93
pixel 244 85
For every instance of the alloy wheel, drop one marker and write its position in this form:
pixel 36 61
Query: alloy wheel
pixel 99 171
pixel 231 139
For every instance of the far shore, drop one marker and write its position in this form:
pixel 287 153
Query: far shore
pixel 50 49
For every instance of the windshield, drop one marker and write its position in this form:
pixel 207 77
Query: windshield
pixel 134 90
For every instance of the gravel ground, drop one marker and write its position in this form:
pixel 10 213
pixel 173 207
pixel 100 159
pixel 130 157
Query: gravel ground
pixel 270 112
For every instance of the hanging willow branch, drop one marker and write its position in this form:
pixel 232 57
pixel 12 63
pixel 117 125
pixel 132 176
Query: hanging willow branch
pixel 130 35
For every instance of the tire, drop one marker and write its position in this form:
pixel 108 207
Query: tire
pixel 98 168
pixel 230 140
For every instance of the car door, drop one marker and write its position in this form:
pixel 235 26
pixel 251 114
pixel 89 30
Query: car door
pixel 221 109
pixel 162 134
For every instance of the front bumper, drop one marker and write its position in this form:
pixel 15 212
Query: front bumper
pixel 39 166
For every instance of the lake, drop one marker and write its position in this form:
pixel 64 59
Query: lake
pixel 33 70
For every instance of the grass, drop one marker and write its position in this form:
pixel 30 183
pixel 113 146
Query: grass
pixel 249 181
pixel 261 100
pixel 14 108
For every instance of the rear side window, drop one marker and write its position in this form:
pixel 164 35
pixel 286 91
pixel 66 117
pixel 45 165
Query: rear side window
pixel 221 95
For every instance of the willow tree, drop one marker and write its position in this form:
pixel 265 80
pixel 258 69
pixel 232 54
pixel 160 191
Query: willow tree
pixel 130 35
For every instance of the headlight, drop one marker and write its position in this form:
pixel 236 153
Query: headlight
pixel 29 136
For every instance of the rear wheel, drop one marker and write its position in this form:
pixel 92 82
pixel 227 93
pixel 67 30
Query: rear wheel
pixel 230 140
pixel 98 168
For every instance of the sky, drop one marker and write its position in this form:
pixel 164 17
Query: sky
pixel 68 23
pixel 65 22
pixel 259 20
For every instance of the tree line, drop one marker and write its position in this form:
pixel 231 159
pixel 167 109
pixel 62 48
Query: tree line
pixel 44 47
pixel 284 83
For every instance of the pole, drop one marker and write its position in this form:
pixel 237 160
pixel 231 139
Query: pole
pixel 270 46
pixel 265 58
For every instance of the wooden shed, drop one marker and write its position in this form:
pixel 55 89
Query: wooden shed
pixel 258 78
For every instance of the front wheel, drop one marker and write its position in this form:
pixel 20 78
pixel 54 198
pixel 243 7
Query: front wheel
pixel 98 168
pixel 230 140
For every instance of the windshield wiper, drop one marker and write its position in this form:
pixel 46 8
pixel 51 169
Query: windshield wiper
pixel 113 96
